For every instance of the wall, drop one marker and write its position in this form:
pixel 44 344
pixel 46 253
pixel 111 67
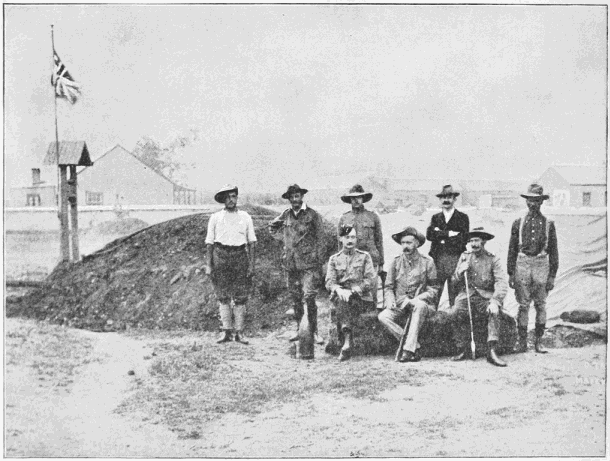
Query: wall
pixel 33 219
pixel 17 196
pixel 598 198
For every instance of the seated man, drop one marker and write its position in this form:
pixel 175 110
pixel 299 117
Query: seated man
pixel 486 290
pixel 411 286
pixel 349 278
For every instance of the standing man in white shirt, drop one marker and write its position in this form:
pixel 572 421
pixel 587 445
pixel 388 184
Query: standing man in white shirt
pixel 231 257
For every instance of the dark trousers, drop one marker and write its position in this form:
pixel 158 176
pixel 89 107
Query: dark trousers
pixel 445 267
pixel 303 287
pixel 230 274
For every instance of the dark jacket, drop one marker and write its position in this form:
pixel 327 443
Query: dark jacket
pixel 441 242
pixel 303 238
pixel 538 242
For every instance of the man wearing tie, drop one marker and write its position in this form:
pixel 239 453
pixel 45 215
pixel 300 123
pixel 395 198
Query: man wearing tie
pixel 448 233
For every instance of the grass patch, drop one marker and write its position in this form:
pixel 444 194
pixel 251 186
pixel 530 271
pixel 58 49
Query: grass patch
pixel 52 351
pixel 190 385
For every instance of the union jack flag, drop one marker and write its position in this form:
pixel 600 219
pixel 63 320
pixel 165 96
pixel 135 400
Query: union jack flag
pixel 65 86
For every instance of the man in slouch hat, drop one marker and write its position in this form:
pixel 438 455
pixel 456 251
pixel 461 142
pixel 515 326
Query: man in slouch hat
pixel 303 255
pixel 487 288
pixel 350 277
pixel 230 242
pixel 368 228
pixel 411 287
pixel 447 232
pixel 533 260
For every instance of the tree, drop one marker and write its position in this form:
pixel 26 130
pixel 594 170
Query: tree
pixel 161 158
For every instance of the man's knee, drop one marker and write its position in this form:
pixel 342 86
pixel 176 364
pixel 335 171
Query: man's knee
pixel 385 316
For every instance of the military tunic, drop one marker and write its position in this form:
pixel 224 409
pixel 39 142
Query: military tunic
pixel 411 277
pixel 349 269
pixel 368 233
pixel 486 283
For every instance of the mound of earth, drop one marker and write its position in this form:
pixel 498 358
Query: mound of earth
pixel 120 226
pixel 154 279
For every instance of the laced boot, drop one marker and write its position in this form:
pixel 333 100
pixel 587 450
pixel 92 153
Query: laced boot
pixel 463 355
pixel 522 345
pixel 241 338
pixel 225 337
pixel 295 336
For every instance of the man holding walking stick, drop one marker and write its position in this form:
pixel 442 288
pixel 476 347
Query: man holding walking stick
pixel 411 289
pixel 482 289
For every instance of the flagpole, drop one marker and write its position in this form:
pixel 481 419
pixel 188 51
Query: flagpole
pixel 56 130
pixel 62 204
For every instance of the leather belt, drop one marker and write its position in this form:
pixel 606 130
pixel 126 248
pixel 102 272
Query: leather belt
pixel 230 247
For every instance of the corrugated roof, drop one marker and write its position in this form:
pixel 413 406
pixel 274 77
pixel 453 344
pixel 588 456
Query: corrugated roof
pixel 582 174
pixel 70 153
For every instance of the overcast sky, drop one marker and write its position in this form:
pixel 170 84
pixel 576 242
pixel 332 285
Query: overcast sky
pixel 282 93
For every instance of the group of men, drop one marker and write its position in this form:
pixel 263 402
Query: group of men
pixel 476 282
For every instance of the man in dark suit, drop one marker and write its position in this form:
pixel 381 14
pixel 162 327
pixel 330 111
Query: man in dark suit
pixel 448 233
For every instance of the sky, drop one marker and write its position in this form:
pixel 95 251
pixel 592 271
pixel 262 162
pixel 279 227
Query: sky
pixel 275 94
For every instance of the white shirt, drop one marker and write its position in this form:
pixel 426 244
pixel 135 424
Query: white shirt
pixel 230 228
pixel 448 214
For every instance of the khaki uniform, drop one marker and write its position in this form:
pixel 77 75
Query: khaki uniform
pixel 487 283
pixel 349 270
pixel 413 277
pixel 369 235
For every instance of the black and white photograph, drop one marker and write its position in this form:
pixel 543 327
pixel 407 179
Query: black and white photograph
pixel 305 230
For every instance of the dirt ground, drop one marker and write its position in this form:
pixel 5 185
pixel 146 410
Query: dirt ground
pixel 552 405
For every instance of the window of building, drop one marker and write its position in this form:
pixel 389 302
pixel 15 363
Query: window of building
pixel 32 200
pixel 586 199
pixel 94 198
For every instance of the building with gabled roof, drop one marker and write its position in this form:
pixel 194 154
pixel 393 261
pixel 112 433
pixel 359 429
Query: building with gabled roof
pixel 121 178
pixel 575 185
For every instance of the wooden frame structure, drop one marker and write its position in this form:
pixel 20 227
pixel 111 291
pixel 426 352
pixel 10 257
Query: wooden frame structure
pixel 67 155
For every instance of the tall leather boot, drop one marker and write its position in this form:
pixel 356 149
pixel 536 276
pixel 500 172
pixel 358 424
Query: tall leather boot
pixel 312 315
pixel 492 357
pixel 346 350
pixel 522 346
pixel 538 341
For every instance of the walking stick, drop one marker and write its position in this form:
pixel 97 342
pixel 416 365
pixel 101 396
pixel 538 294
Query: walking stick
pixel 472 345
pixel 405 332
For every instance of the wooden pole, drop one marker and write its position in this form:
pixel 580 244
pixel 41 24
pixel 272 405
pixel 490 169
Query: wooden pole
pixel 62 180
pixel 64 230
pixel 73 213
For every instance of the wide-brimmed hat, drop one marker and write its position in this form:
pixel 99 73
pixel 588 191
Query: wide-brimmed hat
pixel 292 189
pixel 535 191
pixel 220 195
pixel 357 191
pixel 479 232
pixel 421 238
pixel 448 192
